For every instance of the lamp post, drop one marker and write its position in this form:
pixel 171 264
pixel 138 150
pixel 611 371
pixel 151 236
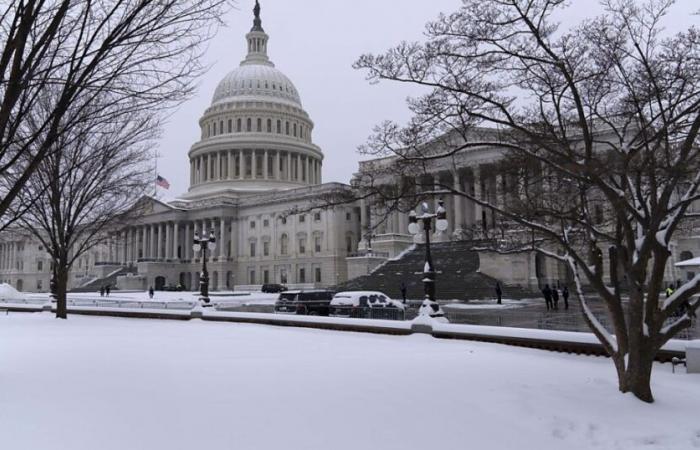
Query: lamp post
pixel 203 244
pixel 430 306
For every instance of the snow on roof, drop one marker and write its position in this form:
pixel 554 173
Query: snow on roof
pixel 689 262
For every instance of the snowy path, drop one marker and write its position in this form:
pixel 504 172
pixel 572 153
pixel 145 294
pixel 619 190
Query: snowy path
pixel 102 383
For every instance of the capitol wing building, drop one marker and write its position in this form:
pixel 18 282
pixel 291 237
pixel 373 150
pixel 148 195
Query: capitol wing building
pixel 255 176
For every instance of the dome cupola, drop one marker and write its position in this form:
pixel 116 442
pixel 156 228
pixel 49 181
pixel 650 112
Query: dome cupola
pixel 256 135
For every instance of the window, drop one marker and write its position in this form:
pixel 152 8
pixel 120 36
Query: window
pixel 239 126
pixel 221 127
pixel 266 276
pixel 284 244
pixel 295 130
pixel 39 285
pixel 252 224
pixel 302 275
pixel 230 126
pixel 317 244
pixel 252 249
pixel 266 248
pixel 301 132
pixel 252 277
pixel 283 276
pixel 317 275
pixel 302 245
pixel 317 216
pixel 302 218
pixel 249 125
pixel 41 247
pixel 279 127
pixel 40 266
pixel 284 220
pixel 208 129
pixel 348 244
pixel 287 128
pixel 269 125
pixel 348 216
pixel 259 125
pixel 266 223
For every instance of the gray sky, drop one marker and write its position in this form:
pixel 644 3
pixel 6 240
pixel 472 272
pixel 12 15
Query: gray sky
pixel 315 42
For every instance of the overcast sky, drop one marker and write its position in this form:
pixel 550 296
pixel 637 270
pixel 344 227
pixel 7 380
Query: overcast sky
pixel 315 42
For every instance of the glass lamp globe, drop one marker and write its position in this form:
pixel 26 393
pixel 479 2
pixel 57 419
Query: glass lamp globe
pixel 413 228
pixel 211 246
pixel 196 247
pixel 441 224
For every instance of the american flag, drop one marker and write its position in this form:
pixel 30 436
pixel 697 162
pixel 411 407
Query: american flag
pixel 162 182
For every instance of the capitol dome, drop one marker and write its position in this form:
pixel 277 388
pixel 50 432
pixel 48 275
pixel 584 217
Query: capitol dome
pixel 256 135
pixel 254 82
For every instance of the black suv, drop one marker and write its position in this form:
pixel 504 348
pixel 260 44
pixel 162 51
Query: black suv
pixel 312 303
pixel 273 288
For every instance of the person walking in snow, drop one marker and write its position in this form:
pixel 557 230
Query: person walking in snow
pixel 547 292
pixel 150 292
pixel 499 292
pixel 102 291
pixel 107 289
pixel 555 297
pixel 403 291
pixel 565 296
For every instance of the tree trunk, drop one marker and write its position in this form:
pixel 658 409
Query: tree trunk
pixel 636 376
pixel 61 292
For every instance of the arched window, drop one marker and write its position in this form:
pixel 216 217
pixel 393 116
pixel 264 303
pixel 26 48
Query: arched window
pixel 269 125
pixel 284 244
pixel 239 125
pixel 259 125
pixel 301 131
pixel 230 126
pixel 221 127
pixel 249 125
pixel 295 130
pixel 287 128
pixel 279 127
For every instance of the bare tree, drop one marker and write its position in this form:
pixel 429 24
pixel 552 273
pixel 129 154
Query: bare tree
pixel 598 126
pixel 88 188
pixel 142 53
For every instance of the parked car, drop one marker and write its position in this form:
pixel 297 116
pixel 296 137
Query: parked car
pixel 366 304
pixel 312 302
pixel 273 288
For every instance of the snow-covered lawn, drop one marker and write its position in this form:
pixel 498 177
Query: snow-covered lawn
pixel 221 298
pixel 102 383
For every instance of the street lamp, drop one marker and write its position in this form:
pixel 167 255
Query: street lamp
pixel 430 306
pixel 202 244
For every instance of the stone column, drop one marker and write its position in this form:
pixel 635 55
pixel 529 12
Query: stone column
pixel 187 245
pixel 266 167
pixel 152 242
pixel 310 179
pixel 298 177
pixel 289 166
pixel 477 194
pixel 222 241
pixel 253 164
pixel 276 170
pixel 458 213
pixel 125 248
pixel 242 164
pixel 231 163
pixel 363 221
pixel 176 241
pixel 167 241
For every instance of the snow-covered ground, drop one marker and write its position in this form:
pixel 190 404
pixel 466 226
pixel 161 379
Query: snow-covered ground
pixel 220 298
pixel 105 383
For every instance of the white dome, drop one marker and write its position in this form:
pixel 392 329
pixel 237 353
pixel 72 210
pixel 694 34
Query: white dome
pixel 256 82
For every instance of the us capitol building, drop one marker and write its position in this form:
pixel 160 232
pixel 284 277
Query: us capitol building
pixel 254 163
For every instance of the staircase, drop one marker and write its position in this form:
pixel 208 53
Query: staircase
pixel 458 275
pixel 111 280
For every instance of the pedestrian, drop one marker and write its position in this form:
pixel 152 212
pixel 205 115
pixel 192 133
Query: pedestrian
pixel 150 292
pixel 669 291
pixel 102 291
pixel 403 291
pixel 499 292
pixel 565 296
pixel 547 292
pixel 107 288
pixel 555 297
